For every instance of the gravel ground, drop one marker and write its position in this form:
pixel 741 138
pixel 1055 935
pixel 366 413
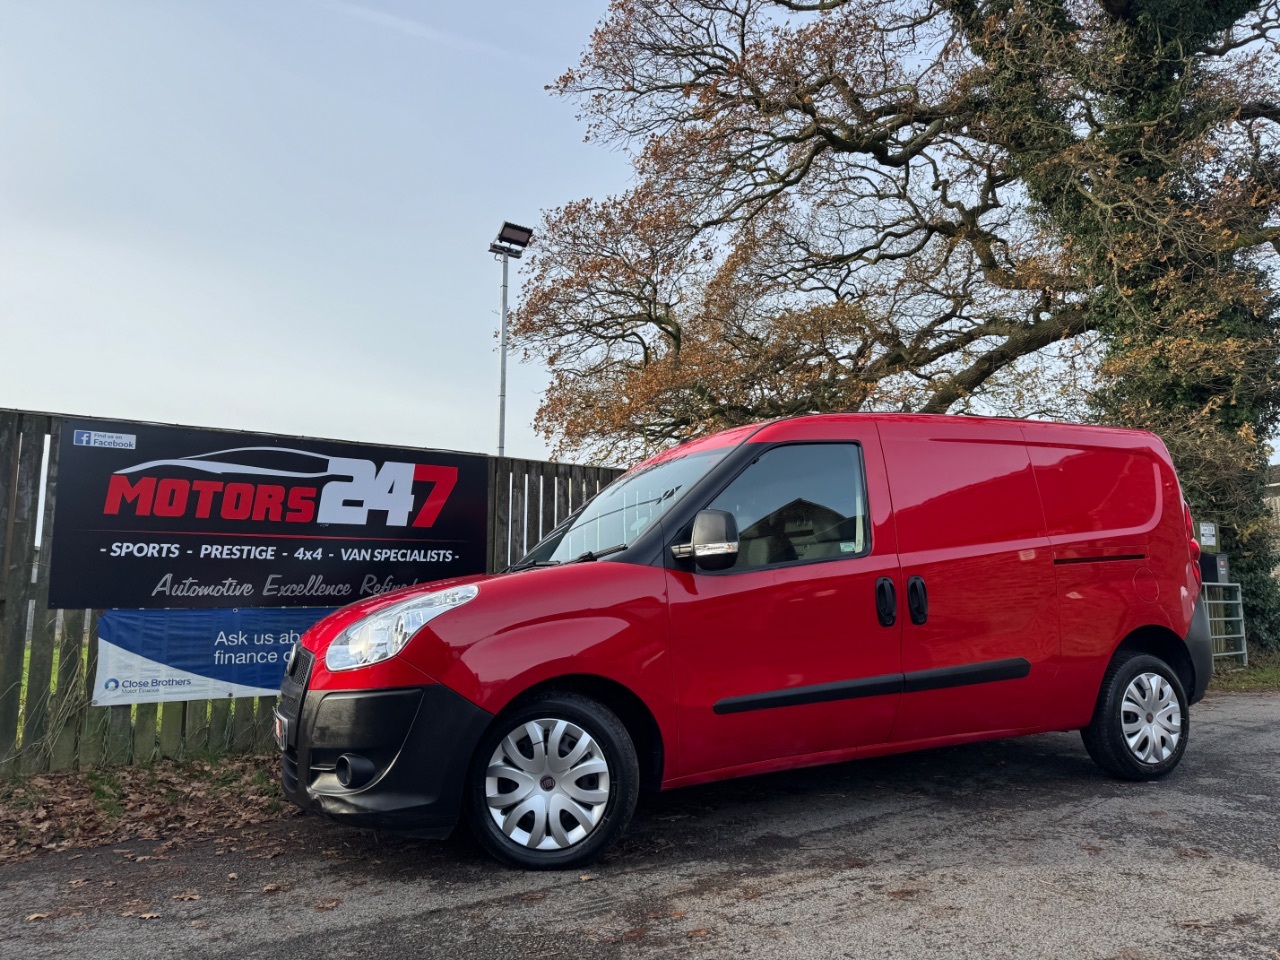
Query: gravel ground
pixel 1018 849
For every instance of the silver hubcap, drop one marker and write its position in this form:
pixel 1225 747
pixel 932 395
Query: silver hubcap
pixel 547 785
pixel 1151 718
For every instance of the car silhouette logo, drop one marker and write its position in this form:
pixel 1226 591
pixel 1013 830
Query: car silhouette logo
pixel 254 461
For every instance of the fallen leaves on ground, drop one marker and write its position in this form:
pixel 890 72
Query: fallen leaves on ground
pixel 906 893
pixel 191 800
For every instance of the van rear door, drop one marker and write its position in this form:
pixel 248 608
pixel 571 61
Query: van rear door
pixel 981 650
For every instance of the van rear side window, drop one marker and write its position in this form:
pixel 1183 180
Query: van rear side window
pixel 799 503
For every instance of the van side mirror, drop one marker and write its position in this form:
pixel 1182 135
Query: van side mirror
pixel 714 544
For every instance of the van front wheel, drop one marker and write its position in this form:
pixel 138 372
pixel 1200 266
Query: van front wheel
pixel 1140 724
pixel 553 783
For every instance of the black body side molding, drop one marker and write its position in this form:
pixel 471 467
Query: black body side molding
pixel 1128 556
pixel 916 682
pixel 971 673
pixel 819 693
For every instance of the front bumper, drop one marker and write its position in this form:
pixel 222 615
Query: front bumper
pixel 418 739
pixel 1200 646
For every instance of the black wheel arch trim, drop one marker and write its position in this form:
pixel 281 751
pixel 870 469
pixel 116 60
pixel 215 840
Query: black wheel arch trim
pixel 1200 646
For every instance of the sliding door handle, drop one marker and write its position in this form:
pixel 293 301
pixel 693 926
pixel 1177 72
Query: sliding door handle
pixel 917 600
pixel 886 602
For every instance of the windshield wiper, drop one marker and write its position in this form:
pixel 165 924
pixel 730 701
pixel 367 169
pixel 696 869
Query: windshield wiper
pixel 533 563
pixel 666 495
pixel 597 554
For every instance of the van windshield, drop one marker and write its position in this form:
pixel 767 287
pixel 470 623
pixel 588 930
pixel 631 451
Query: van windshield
pixel 626 508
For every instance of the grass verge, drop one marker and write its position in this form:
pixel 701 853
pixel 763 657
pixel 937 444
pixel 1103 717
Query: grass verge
pixel 1262 674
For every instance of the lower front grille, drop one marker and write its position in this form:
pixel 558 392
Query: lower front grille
pixel 289 769
pixel 294 684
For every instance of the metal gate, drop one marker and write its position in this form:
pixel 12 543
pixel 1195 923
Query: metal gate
pixel 1226 620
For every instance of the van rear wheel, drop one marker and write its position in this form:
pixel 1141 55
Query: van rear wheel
pixel 1140 724
pixel 553 783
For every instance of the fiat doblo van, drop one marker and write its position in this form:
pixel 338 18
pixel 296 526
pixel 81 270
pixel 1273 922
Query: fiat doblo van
pixel 776 596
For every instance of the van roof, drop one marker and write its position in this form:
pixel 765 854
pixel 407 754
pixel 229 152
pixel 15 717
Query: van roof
pixel 778 429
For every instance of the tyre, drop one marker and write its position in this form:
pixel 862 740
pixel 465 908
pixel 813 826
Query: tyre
pixel 553 783
pixel 1140 724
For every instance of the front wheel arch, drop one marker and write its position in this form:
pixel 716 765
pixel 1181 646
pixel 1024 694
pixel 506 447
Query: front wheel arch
pixel 634 713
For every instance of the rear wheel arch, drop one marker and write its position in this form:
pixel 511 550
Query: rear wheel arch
pixel 1161 642
pixel 625 704
pixel 1140 724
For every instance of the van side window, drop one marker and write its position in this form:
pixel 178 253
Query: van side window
pixel 796 503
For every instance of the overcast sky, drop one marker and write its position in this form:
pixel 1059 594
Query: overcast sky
pixel 274 214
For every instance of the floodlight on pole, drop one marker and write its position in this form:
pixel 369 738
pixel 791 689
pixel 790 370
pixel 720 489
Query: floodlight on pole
pixel 512 239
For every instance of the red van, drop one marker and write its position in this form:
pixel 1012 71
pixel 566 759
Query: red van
pixel 799 592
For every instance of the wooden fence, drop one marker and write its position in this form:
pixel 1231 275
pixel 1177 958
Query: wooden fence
pixel 48 658
pixel 527 498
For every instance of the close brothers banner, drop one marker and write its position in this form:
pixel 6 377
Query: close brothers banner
pixel 160 519
pixel 152 656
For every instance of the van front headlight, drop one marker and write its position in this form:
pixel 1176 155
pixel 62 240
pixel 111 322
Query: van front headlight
pixel 383 634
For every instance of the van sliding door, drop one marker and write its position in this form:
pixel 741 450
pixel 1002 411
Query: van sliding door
pixel 980 649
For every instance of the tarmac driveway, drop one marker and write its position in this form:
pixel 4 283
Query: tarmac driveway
pixel 1014 849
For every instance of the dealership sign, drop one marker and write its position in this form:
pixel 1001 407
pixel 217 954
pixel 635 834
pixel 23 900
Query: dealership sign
pixel 171 517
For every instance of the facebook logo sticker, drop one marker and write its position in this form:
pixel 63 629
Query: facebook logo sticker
pixel 92 438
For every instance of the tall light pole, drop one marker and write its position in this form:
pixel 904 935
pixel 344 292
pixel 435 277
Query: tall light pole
pixel 512 239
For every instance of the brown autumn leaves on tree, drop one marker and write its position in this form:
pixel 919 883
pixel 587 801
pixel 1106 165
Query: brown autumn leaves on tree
pixel 1064 208
pixel 853 204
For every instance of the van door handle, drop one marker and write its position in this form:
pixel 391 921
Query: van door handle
pixel 886 602
pixel 917 600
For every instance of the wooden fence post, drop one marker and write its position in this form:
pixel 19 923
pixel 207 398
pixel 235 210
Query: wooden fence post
pixel 491 519
pixel 548 511
pixel 93 732
pixel 43 624
pixel 171 714
pixel 502 515
pixel 242 721
pixel 69 699
pixel 264 740
pixel 19 591
pixel 9 433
